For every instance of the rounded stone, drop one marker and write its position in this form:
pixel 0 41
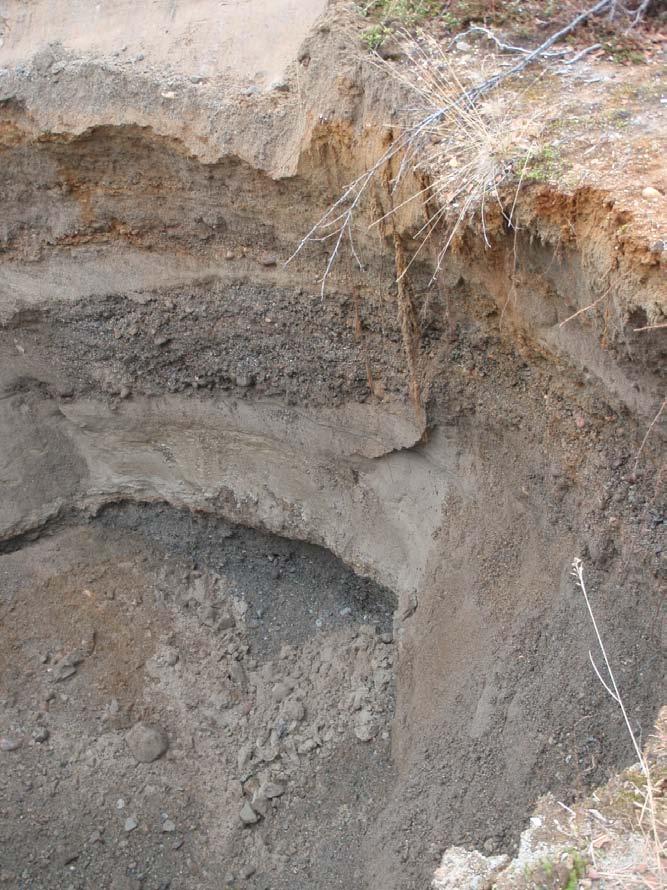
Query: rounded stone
pixel 651 193
pixel 146 743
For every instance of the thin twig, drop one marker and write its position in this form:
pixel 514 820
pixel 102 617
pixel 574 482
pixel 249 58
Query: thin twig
pixel 578 573
pixel 651 327
pixel 641 11
pixel 648 433
pixel 599 676
pixel 497 78
pixel 582 53
pixel 478 29
pixel 585 308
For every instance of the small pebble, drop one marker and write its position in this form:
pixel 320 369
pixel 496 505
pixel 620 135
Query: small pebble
pixel 130 823
pixel 146 743
pixel 651 193
pixel 247 815
pixel 270 790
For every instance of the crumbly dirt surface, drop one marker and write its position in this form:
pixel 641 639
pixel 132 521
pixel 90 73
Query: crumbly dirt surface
pixel 245 42
pixel 252 340
pixel 259 659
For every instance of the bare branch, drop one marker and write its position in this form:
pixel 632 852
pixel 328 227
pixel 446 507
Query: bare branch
pixel 497 78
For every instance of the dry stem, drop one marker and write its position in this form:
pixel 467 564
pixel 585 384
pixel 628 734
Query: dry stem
pixel 648 433
pixel 612 688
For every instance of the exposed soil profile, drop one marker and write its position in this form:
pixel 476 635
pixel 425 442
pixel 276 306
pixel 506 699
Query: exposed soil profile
pixel 285 564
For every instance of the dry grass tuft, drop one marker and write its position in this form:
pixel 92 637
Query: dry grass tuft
pixel 472 156
pixel 652 816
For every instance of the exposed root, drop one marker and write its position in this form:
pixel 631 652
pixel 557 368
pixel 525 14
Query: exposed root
pixel 409 324
pixel 585 308
pixel 648 433
pixel 451 107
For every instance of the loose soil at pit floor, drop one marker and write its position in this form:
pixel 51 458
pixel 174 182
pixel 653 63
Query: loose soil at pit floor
pixel 261 659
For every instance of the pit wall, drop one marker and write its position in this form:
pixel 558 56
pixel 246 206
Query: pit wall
pixel 154 348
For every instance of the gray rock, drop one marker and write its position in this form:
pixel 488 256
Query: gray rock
pixel 244 756
pixel 260 804
pixel 146 743
pixel 41 735
pixel 247 815
pixel 293 711
pixel 279 692
pixel 365 726
pixel 269 790
pixel 62 671
pixel 130 824
pixel 168 826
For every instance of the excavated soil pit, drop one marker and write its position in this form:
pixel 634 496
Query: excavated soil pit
pixel 459 442
pixel 267 663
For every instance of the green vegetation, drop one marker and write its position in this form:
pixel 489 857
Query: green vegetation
pixel 393 14
pixel 405 12
pixel 544 166
pixel 623 52
pixel 374 36
pixel 560 875
pixel 578 871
